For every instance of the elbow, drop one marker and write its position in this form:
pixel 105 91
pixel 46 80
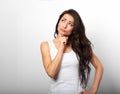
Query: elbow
pixel 100 68
pixel 51 72
pixel 51 75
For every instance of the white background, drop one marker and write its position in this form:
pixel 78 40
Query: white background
pixel 25 23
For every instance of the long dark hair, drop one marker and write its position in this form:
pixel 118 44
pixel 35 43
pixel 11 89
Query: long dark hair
pixel 80 45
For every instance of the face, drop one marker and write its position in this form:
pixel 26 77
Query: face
pixel 65 25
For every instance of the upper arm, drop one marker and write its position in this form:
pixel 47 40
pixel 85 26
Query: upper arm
pixel 45 53
pixel 95 61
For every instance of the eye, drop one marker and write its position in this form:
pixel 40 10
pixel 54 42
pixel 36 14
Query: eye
pixel 70 24
pixel 63 20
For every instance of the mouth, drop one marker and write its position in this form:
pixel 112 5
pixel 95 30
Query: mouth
pixel 62 30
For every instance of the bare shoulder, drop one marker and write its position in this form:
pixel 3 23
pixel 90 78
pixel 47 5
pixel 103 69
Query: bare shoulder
pixel 44 45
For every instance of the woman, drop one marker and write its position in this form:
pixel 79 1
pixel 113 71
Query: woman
pixel 67 57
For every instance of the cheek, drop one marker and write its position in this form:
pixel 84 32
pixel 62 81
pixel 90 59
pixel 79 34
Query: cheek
pixel 59 25
pixel 70 30
pixel 58 28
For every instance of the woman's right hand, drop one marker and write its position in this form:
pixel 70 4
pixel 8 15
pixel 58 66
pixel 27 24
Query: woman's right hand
pixel 63 41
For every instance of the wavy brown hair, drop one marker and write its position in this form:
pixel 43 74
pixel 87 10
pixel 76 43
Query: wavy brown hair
pixel 80 45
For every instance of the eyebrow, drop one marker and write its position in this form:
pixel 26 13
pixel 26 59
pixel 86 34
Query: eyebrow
pixel 66 19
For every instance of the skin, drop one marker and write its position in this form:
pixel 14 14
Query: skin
pixel 65 28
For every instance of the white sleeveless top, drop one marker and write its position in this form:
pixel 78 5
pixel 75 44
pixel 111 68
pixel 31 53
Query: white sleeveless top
pixel 67 81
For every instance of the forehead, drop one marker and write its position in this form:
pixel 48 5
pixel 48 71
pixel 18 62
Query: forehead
pixel 68 17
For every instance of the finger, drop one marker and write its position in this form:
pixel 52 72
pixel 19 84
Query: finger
pixel 81 92
pixel 64 43
pixel 61 35
pixel 66 35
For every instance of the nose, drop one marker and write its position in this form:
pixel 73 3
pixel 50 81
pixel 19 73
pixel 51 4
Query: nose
pixel 65 25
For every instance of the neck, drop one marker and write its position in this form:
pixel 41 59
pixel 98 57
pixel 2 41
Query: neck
pixel 58 40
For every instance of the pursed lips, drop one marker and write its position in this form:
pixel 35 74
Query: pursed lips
pixel 63 30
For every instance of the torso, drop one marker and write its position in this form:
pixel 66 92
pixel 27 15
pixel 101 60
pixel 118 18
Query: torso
pixel 67 81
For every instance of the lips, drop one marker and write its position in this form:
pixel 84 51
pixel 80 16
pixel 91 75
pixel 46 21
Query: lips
pixel 62 30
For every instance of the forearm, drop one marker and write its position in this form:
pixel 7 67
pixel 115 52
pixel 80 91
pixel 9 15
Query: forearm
pixel 54 66
pixel 97 78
